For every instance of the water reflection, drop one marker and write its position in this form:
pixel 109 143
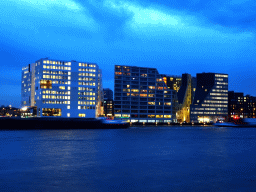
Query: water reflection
pixel 136 159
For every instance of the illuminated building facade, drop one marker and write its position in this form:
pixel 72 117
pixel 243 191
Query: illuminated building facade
pixel 63 88
pixel 9 111
pixel 108 108
pixel 173 82
pixel 211 98
pixel 184 87
pixel 240 106
pixel 108 103
pixel 26 85
pixel 141 95
pixel 185 99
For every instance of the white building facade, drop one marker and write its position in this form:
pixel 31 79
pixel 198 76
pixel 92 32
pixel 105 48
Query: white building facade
pixel 63 88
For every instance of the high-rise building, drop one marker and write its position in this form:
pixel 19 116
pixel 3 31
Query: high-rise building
pixel 141 95
pixel 184 87
pixel 63 88
pixel 185 98
pixel 211 98
pixel 173 82
pixel 26 86
pixel 108 103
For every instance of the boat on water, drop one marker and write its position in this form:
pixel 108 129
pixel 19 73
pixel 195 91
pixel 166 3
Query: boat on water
pixel 238 122
pixel 109 123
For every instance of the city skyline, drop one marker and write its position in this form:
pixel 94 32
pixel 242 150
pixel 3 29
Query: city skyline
pixel 177 38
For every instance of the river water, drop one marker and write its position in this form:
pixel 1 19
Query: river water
pixel 177 158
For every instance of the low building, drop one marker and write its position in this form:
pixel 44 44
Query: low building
pixel 241 106
pixel 9 111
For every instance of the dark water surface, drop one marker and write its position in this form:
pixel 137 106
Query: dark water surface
pixel 135 159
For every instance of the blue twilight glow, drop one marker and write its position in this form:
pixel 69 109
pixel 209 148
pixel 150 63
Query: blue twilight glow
pixel 175 37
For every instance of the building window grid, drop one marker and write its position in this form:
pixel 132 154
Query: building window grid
pixel 60 75
pixel 117 82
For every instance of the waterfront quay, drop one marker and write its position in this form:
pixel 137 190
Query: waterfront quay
pixel 169 124
pixel 77 123
pixel 17 123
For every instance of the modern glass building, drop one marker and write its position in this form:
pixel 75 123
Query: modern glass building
pixel 141 95
pixel 108 103
pixel 26 86
pixel 63 88
pixel 211 98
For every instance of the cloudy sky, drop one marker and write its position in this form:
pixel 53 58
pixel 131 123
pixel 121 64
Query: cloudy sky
pixel 189 36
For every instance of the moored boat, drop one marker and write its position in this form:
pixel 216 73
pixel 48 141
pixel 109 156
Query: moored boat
pixel 112 124
pixel 225 124
pixel 238 122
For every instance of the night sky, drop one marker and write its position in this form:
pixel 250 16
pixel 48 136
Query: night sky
pixel 176 37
